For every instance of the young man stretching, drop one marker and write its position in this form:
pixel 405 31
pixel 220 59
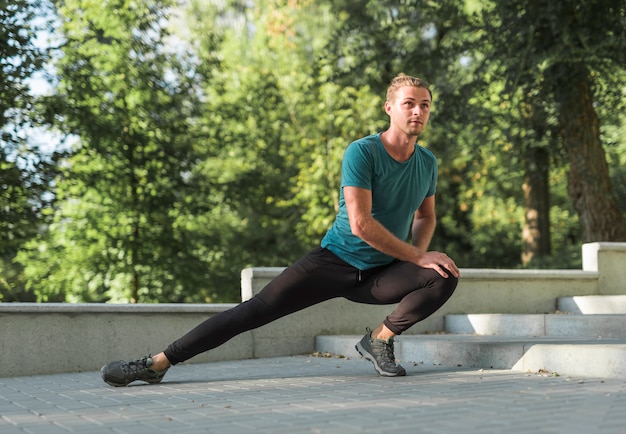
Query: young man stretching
pixel 387 192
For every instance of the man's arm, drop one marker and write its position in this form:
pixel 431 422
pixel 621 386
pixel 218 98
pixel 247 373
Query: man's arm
pixel 424 224
pixel 366 227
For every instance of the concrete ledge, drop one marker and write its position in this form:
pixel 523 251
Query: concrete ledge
pixel 500 274
pixel 55 338
pixel 479 291
pixel 84 337
pixel 593 360
pixel 593 304
pixel 608 260
pixel 606 326
pixel 82 308
pixel 517 291
pixel 602 358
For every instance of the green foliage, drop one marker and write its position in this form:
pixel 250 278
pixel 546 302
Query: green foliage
pixel 25 172
pixel 209 135
pixel 344 114
pixel 129 182
pixel 248 171
pixel 250 155
pixel 19 59
pixel 564 52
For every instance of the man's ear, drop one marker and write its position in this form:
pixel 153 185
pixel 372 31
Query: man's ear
pixel 387 107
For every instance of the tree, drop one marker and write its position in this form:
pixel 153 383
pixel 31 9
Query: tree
pixel 251 140
pixel 570 46
pixel 123 229
pixel 25 172
pixel 218 147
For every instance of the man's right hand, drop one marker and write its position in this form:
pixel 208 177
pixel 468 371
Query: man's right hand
pixel 440 262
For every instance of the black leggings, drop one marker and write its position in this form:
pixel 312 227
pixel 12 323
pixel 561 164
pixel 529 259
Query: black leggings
pixel 320 276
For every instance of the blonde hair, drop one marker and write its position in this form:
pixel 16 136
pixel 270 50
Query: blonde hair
pixel 402 80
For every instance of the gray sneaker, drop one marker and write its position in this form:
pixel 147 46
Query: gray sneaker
pixel 380 353
pixel 122 373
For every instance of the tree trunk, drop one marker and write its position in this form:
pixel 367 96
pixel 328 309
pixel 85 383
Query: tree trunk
pixel 536 232
pixel 589 184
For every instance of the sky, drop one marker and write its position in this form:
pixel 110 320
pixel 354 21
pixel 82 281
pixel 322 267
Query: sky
pixel 43 138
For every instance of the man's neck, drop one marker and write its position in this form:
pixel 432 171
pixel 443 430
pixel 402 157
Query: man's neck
pixel 399 146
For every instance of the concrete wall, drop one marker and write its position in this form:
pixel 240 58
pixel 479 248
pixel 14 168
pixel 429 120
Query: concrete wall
pixel 51 338
pixel 609 261
pixel 54 338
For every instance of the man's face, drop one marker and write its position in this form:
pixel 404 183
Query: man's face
pixel 410 110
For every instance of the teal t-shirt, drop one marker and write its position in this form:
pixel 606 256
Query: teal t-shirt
pixel 398 190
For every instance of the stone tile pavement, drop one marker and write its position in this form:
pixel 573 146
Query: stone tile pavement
pixel 308 394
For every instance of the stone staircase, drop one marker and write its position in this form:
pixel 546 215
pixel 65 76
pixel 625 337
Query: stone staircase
pixel 585 337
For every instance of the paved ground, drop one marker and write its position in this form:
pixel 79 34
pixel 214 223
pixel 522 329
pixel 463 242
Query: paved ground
pixel 314 395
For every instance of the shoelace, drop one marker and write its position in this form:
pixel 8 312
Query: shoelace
pixel 387 354
pixel 136 366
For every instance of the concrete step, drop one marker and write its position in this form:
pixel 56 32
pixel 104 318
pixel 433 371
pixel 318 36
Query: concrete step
pixel 586 337
pixel 604 358
pixel 593 304
pixel 551 325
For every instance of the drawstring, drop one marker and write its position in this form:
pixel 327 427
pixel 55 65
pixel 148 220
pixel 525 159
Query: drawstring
pixel 359 276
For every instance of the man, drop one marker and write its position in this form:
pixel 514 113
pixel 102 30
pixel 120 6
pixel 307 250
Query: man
pixel 387 191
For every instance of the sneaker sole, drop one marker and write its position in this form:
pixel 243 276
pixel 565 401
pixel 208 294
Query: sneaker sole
pixel 359 348
pixel 110 383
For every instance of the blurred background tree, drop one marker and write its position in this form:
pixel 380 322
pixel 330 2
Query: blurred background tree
pixel 207 136
pixel 26 170
pixel 127 193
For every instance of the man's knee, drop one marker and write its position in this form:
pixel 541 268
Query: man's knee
pixel 447 285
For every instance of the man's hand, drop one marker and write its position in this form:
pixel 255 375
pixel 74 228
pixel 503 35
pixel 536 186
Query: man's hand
pixel 440 262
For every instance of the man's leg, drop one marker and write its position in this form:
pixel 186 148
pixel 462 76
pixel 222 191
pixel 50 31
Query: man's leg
pixel 419 293
pixel 316 277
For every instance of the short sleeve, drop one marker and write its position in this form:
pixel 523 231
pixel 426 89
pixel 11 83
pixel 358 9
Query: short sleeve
pixel 357 167
pixel 433 183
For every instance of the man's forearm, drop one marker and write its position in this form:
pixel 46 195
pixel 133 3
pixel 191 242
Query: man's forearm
pixel 376 235
pixel 422 232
